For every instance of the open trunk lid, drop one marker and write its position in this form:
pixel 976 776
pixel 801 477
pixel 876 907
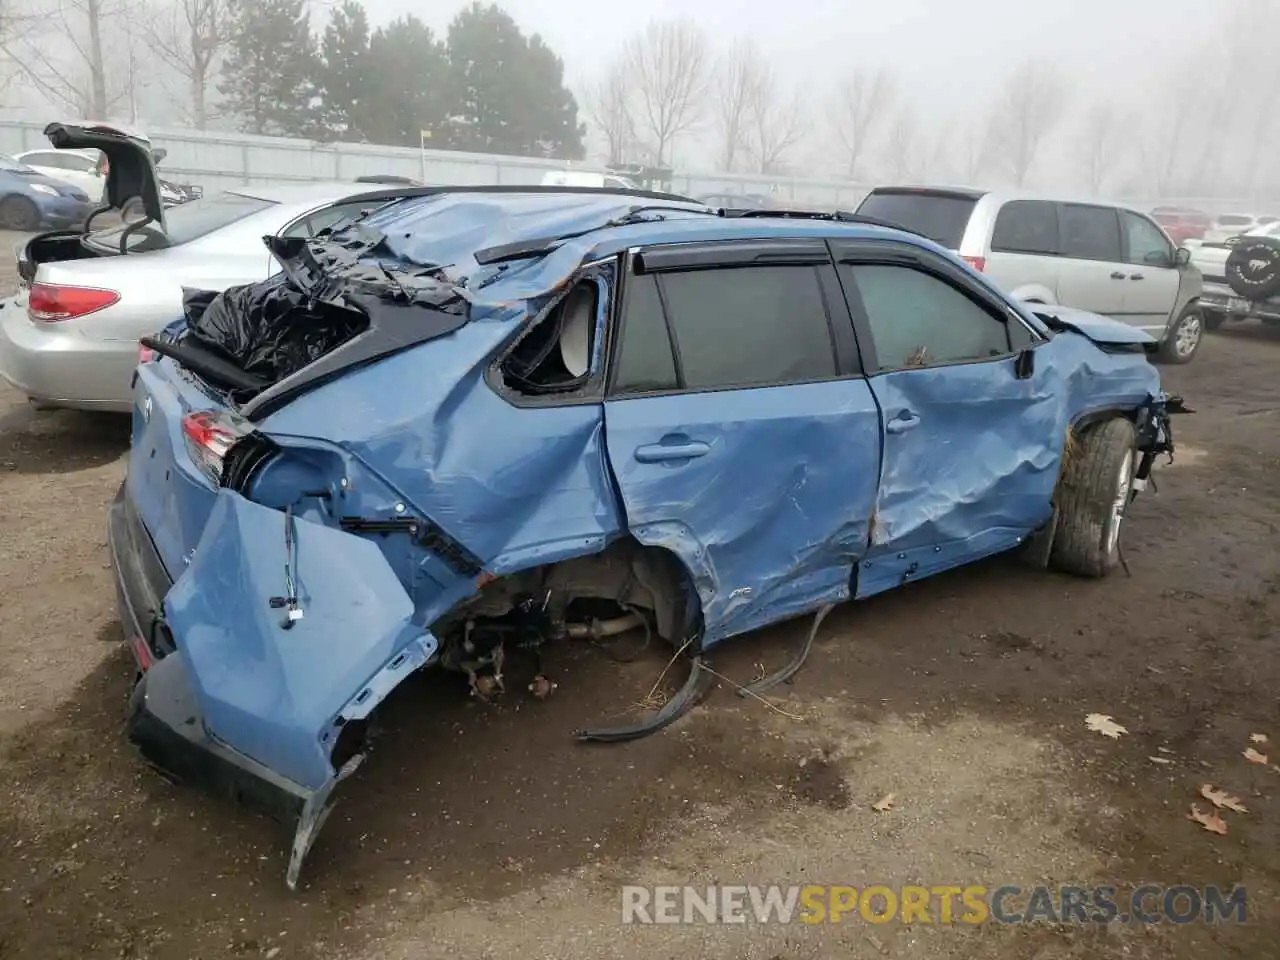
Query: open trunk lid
pixel 131 169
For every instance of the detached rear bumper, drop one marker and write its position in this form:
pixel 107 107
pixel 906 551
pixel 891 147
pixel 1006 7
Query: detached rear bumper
pixel 165 721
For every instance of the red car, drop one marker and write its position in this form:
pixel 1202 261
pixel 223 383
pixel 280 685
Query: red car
pixel 1182 223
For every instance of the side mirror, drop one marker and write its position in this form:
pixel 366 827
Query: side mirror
pixel 1024 365
pixel 1182 257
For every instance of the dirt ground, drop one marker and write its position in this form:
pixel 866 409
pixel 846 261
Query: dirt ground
pixel 480 831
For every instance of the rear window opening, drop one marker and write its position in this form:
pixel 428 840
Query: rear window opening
pixel 555 355
pixel 942 217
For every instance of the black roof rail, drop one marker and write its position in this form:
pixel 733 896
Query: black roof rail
pixel 837 216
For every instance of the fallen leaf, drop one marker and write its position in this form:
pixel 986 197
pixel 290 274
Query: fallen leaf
pixel 1159 759
pixel 1210 821
pixel 1222 799
pixel 1257 738
pixel 1253 756
pixel 1103 724
pixel 1164 749
pixel 885 803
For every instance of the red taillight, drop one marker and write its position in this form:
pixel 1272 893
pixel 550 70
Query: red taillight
pixel 145 354
pixel 209 436
pixel 978 263
pixel 52 302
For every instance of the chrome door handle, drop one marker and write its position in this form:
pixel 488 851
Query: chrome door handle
pixel 1117 275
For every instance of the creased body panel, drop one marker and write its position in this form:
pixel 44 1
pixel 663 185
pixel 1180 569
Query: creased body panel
pixel 518 485
pixel 977 473
pixel 770 519
pixel 270 691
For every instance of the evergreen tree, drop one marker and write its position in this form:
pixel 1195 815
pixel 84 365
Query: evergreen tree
pixel 405 85
pixel 343 71
pixel 269 66
pixel 506 91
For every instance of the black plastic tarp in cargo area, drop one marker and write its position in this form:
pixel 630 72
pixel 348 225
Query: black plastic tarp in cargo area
pixel 270 329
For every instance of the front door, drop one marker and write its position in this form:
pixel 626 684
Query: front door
pixel 1152 289
pixel 969 458
pixel 751 449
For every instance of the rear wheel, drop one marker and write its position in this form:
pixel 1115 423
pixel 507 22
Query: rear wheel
pixel 1183 339
pixel 18 213
pixel 1092 496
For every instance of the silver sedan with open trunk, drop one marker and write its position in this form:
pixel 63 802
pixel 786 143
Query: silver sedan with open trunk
pixel 70 336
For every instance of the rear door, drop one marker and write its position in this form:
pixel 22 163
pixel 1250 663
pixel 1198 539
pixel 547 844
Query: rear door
pixel 971 449
pixel 740 431
pixel 1092 274
pixel 1152 289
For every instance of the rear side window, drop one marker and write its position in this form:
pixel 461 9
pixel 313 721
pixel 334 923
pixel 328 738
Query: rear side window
pixel 1234 220
pixel 940 217
pixel 1026 226
pixel 186 222
pixel 918 320
pixel 750 326
pixel 645 362
pixel 741 327
pixel 1090 233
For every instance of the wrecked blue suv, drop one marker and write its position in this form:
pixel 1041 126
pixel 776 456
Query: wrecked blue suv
pixel 480 420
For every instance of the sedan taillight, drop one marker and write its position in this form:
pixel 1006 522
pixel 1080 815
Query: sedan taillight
pixel 53 302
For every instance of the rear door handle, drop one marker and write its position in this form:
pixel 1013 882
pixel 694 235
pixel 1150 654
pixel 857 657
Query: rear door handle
pixel 672 450
pixel 1117 275
pixel 1135 276
pixel 904 421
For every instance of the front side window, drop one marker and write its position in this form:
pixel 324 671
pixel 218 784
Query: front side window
pixel 1147 244
pixel 918 320
pixel 1026 226
pixel 1089 233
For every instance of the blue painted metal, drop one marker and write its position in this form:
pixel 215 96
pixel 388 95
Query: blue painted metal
pixel 769 497
pixel 771 511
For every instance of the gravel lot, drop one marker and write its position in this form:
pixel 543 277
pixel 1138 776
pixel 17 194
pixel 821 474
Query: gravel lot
pixel 485 832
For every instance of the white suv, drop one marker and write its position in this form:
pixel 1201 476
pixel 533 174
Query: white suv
pixel 1092 256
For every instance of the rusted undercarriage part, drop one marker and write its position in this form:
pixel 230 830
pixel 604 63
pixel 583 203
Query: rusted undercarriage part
pixel 521 613
pixel 788 672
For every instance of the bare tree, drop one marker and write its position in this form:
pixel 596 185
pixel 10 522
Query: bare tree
pixel 735 79
pixel 776 123
pixel 669 68
pixel 1030 109
pixel 189 35
pixel 860 103
pixel 1100 139
pixel 608 106
pixel 902 144
pixel 85 31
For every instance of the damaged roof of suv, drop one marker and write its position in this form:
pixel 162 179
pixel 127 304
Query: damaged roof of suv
pixel 477 422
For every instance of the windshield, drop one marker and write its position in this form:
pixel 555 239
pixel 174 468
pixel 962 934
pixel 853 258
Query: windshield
pixel 184 223
pixel 939 216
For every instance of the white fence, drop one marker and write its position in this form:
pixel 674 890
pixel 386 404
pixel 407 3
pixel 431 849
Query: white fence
pixel 221 160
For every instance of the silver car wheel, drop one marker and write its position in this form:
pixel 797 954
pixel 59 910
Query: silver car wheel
pixel 1187 337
